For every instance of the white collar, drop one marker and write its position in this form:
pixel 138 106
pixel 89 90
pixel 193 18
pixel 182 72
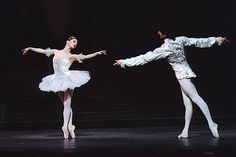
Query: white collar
pixel 167 40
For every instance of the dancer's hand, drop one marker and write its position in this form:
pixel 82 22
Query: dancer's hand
pixel 25 50
pixel 224 40
pixel 118 62
pixel 102 52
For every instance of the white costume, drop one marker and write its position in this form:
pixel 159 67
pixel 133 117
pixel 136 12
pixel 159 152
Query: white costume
pixel 173 50
pixel 63 78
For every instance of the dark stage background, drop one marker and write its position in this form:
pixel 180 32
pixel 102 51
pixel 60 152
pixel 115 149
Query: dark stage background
pixel 115 97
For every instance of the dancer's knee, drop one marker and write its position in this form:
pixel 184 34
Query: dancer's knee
pixel 67 107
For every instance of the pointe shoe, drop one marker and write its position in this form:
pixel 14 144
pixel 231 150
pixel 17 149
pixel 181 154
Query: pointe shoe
pixel 182 135
pixel 72 131
pixel 65 131
pixel 214 130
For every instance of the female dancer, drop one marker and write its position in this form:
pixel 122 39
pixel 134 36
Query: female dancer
pixel 173 51
pixel 63 81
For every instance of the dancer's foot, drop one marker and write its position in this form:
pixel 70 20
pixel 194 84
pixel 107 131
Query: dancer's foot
pixel 184 134
pixel 65 131
pixel 214 130
pixel 72 131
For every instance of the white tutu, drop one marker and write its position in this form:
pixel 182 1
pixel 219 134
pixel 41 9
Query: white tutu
pixel 61 82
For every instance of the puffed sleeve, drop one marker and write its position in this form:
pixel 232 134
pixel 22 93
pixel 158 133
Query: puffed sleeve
pixel 158 53
pixel 49 52
pixel 199 42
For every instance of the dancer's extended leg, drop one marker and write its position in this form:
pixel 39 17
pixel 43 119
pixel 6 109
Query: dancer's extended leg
pixel 190 90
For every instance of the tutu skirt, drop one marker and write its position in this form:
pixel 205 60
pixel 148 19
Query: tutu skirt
pixel 61 82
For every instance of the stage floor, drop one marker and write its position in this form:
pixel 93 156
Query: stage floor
pixel 149 141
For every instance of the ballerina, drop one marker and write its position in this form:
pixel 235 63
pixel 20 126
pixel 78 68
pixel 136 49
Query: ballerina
pixel 64 81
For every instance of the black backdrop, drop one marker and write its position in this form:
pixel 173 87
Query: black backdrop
pixel 147 95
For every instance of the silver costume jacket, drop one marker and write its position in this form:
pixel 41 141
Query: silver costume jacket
pixel 173 51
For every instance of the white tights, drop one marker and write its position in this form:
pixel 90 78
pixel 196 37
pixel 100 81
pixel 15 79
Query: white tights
pixel 67 112
pixel 189 93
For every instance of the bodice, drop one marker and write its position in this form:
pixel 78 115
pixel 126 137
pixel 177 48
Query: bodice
pixel 61 65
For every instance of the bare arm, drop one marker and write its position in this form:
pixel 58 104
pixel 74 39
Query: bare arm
pixel 47 52
pixel 81 57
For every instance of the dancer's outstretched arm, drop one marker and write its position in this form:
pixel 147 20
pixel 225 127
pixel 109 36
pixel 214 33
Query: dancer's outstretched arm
pixel 202 42
pixel 47 52
pixel 82 57
pixel 158 53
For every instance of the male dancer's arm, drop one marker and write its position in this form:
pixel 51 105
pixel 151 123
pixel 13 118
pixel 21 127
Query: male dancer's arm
pixel 202 42
pixel 142 59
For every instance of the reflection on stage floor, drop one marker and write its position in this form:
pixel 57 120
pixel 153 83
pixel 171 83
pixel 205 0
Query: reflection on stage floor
pixel 147 141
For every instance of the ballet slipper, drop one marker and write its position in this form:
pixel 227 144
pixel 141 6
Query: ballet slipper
pixel 183 135
pixel 72 131
pixel 65 131
pixel 214 130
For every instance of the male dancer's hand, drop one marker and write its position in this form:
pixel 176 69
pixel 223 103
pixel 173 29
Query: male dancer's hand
pixel 224 40
pixel 118 62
